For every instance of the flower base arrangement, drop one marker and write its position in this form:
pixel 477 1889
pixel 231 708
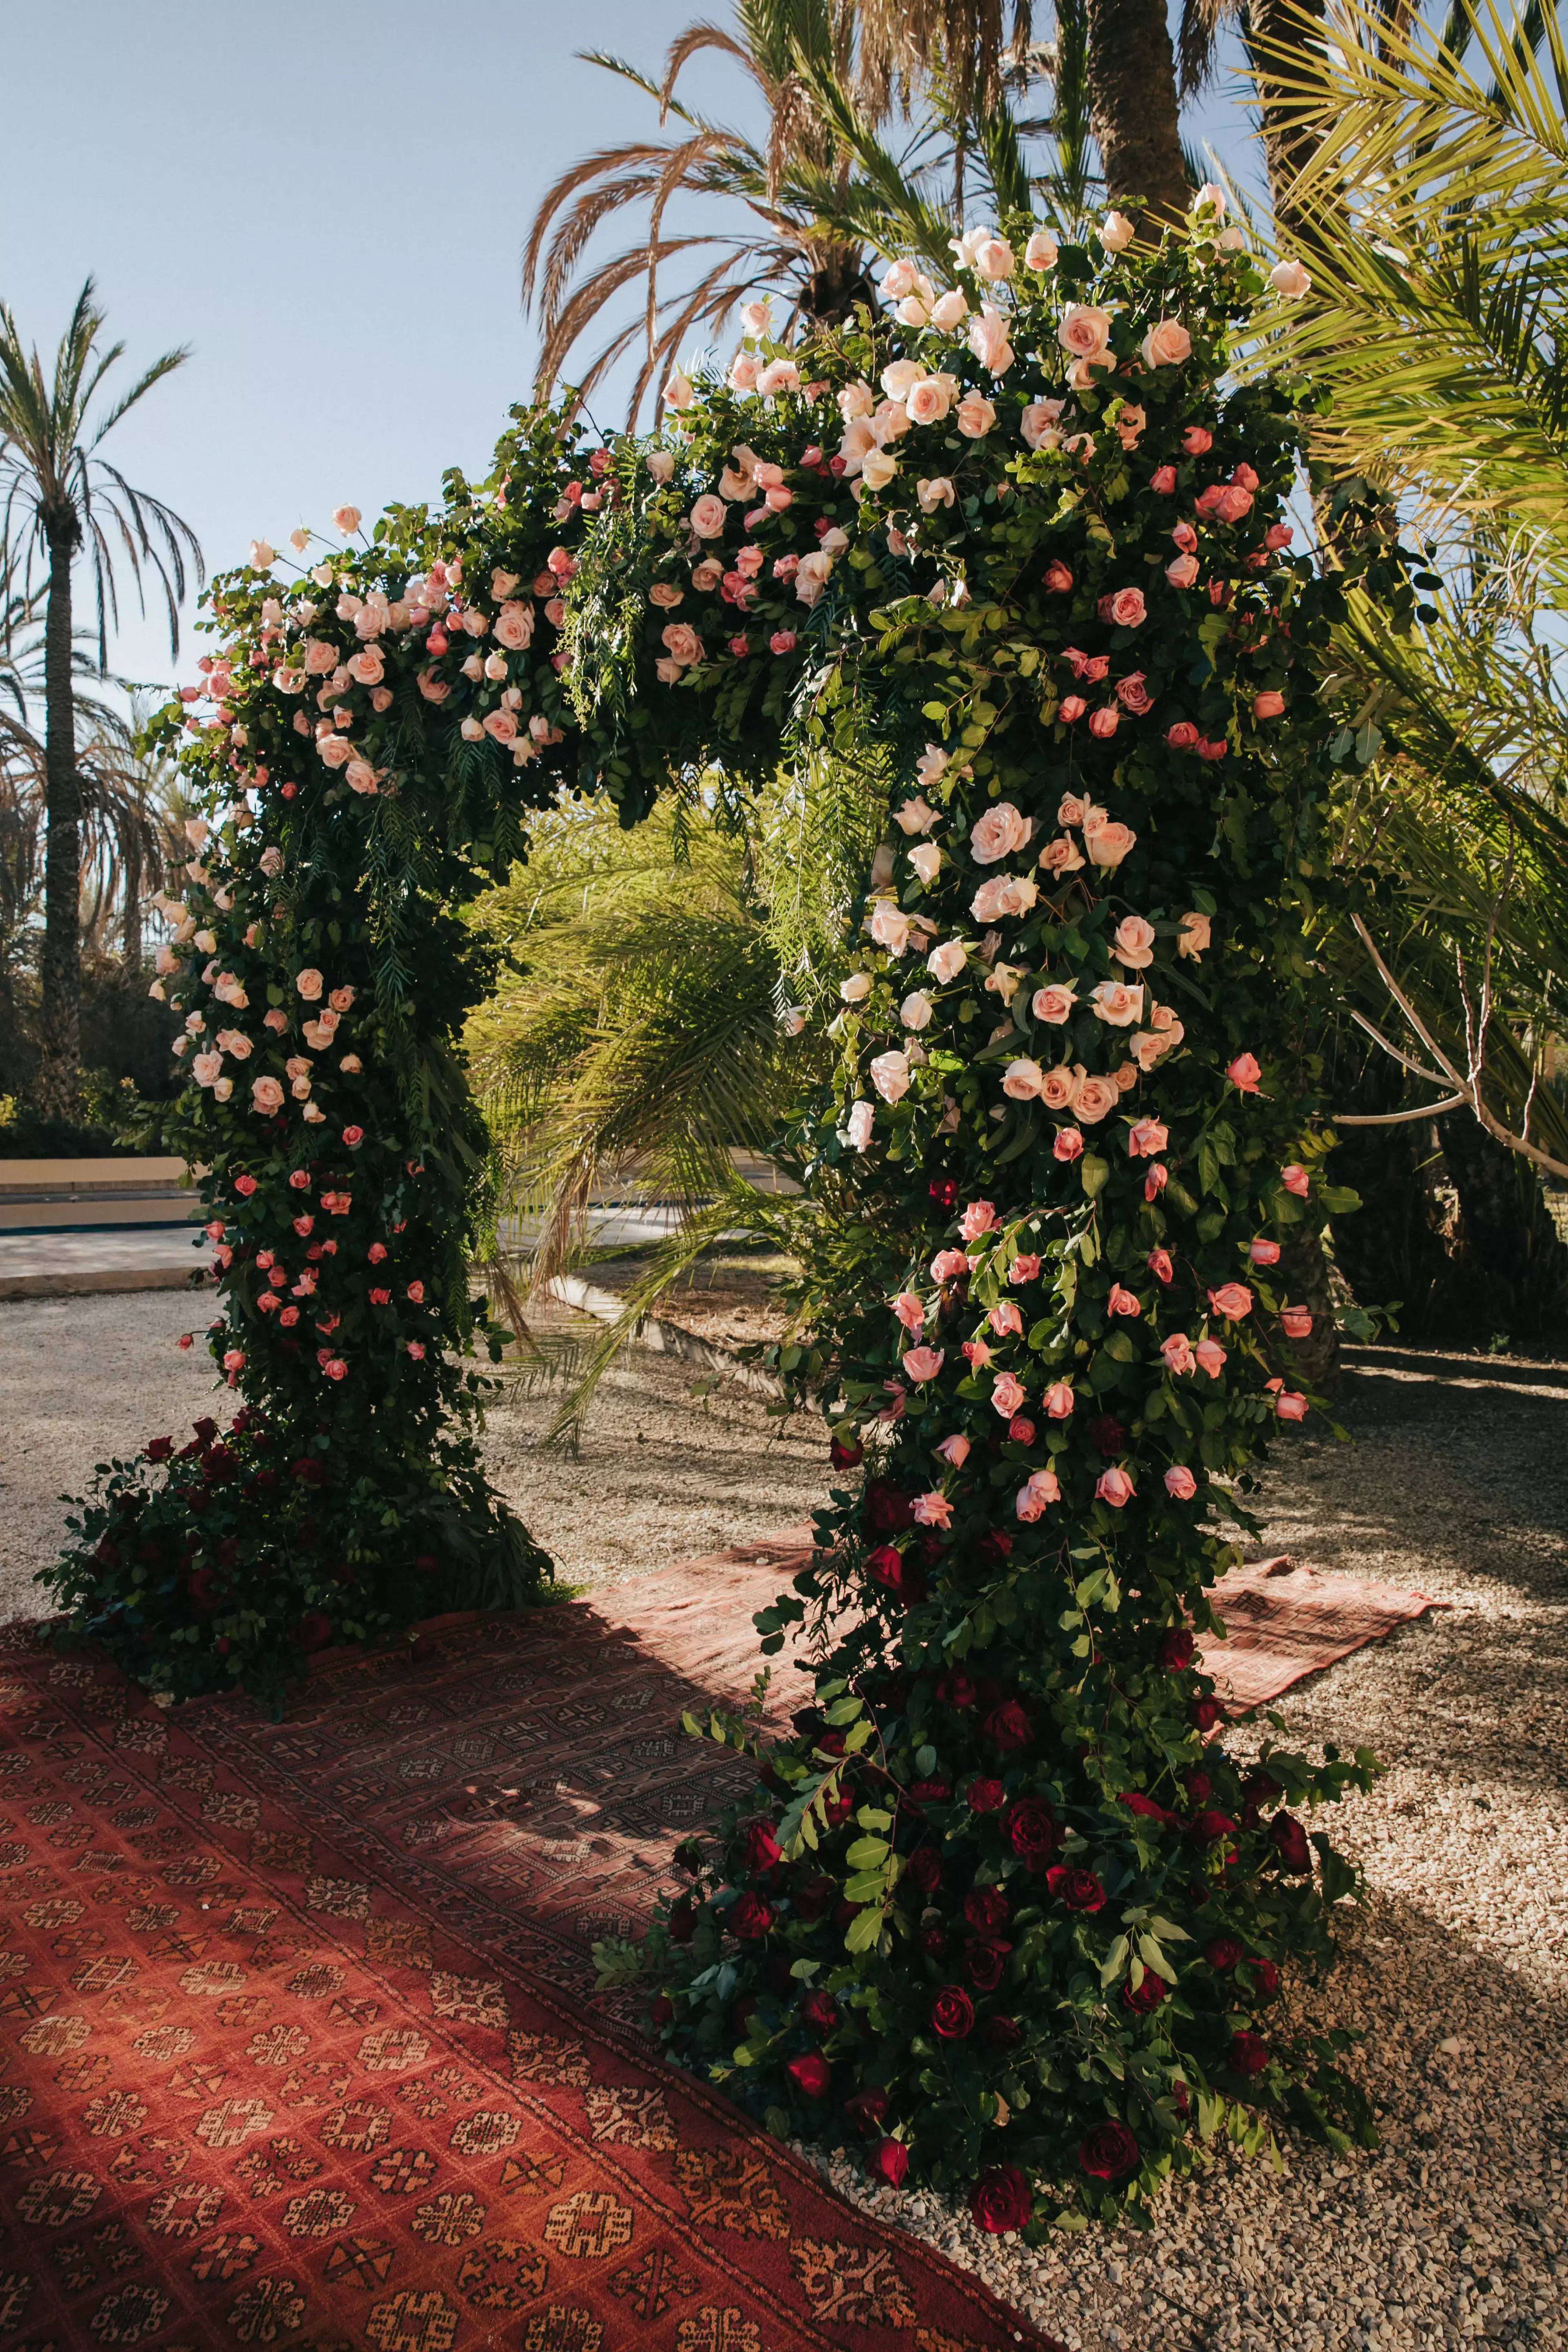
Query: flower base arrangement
pixel 1011 1908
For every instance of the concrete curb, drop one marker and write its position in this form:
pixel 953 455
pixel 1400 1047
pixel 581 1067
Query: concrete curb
pixel 86 1282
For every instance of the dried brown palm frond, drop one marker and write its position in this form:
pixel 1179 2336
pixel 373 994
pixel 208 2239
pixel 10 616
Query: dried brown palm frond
pixel 970 40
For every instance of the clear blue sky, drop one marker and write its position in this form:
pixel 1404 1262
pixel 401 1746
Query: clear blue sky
pixel 327 200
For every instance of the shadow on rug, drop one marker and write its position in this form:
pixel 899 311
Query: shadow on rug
pixel 265 2084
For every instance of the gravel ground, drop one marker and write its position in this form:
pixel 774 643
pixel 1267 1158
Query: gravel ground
pixel 663 1474
pixel 1457 2231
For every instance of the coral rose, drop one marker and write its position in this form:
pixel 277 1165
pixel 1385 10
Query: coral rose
pixel 1166 344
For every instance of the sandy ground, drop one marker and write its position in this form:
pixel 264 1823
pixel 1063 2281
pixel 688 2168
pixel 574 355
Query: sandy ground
pixel 663 1473
pixel 1454 2232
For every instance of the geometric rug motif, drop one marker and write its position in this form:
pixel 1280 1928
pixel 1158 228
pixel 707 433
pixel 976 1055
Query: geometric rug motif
pixel 259 2088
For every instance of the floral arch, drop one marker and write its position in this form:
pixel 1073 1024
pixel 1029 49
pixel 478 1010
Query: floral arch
pixel 1011 1905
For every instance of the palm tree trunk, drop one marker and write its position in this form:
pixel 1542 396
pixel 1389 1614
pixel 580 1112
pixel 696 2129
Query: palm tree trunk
pixel 131 884
pixel 1272 27
pixel 60 1059
pixel 1132 106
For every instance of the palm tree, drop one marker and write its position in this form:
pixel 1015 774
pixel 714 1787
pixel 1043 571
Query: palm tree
pixel 61 499
pixel 808 206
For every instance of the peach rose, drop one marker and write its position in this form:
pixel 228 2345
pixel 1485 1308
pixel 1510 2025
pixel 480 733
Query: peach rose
pixel 1289 278
pixel 434 688
pixel 682 643
pixel 1058 1088
pixel 924 1363
pixel 1007 1394
pixel 994 259
pixel 876 470
pixel 1177 1351
pixel 1124 608
pixel 916 1010
pixel 1039 1491
pixel 707 515
pixel 1109 843
pixel 937 492
pixel 1180 1483
pixel 977 415
pixel 1232 1300
pixel 1053 1003
pixel 890 927
pixel 1040 253
pixel 368 666
pixel 1038 422
pixel 361 777
pixel 308 983
pixel 320 659
pixel 267 1094
pixel 1105 721
pixel 1115 1488
pixel 1097 1098
pixel 335 750
pixel 946 962
pixel 1270 704
pixel 916 814
pixel 500 727
pixel 1117 1002
pixel 989 340
pixel 514 626
pixel 1021 1080
pixel 1210 1358
pixel 998 831
pixel 1166 344
pixel 1135 942
pixel 1068 1145
pixel 926 859
pixel 1061 855
pixel 928 401
pixel 1084 333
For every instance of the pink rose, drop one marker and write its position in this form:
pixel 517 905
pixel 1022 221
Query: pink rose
pixel 1296 1180
pixel 1197 441
pixel 434 688
pixel 1209 1357
pixel 924 1363
pixel 1007 1394
pixel 932 1509
pixel 334 749
pixel 1038 421
pixel 783 641
pixel 1164 479
pixel 1071 707
pixel 1177 1351
pixel 1133 693
pixel 1243 1073
pixel 514 626
pixel 1180 1483
pixel 1270 704
pixel 1289 279
pixel 1036 1495
pixel 1182 572
pixel 1115 1488
pixel 1118 1003
pixel 1146 1139
pixel 1124 608
pixel 1183 736
pixel 1105 721
pixel 1058 579
pixel 980 1217
pixel 1263 1252
pixel 1290 1405
pixel 1068 1144
pixel 1122 1302
pixel 1232 1300
pixel 367 667
pixel 955 1449
pixel 707 515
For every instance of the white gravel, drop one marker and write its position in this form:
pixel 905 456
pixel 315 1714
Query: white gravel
pixel 1455 2232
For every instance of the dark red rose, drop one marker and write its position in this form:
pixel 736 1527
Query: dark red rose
pixel 151 1555
pixel 223 1645
pixel 768 1774
pixel 1223 1953
pixel 228 1555
pixel 1147 1997
pixel 889 1510
pixel 829 1743
pixel 1179 2093
pixel 1265 1975
pixel 952 2013
pixel 1137 1802
pixel 933 1940
pixel 957 1690
pixel 923 1869
pixel 759 1846
pixel 920 1793
pixel 1248 2054
pixel 985 1957
pixel 866 2108
pixel 158 1449
pixel 427 1562
pixel 314 1631
pixel 218 1463
pixel 943 1191
pixel 811 2074
pixel 820 2011
pixel 751 1918
pixel 1030 1828
pixel 987 1910
pixel 892 2162
pixel 1002 2033
pixel 310 1472
pixel 1260 1786
pixel 994 1548
pixel 987 1796
pixel 1106 1434
pixel 845 1457
pixel 661 2011
pixel 1079 1889
pixel 108 1552
pixel 1208 1827
pixel 1000 2200
pixel 838 1810
pixel 815 1899
pixel 205 1429
pixel 1199 1787
pixel 1007 1727
pixel 1204 1713
pixel 885 1567
pixel 1290 1840
pixel 1177 1650
pixel 203 1588
pixel 1108 2151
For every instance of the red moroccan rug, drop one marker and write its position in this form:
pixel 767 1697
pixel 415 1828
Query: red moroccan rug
pixel 263 2084
pixel 1283 1623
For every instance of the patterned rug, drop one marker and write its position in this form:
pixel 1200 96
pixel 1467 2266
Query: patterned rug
pixel 1283 1623
pixel 264 2083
